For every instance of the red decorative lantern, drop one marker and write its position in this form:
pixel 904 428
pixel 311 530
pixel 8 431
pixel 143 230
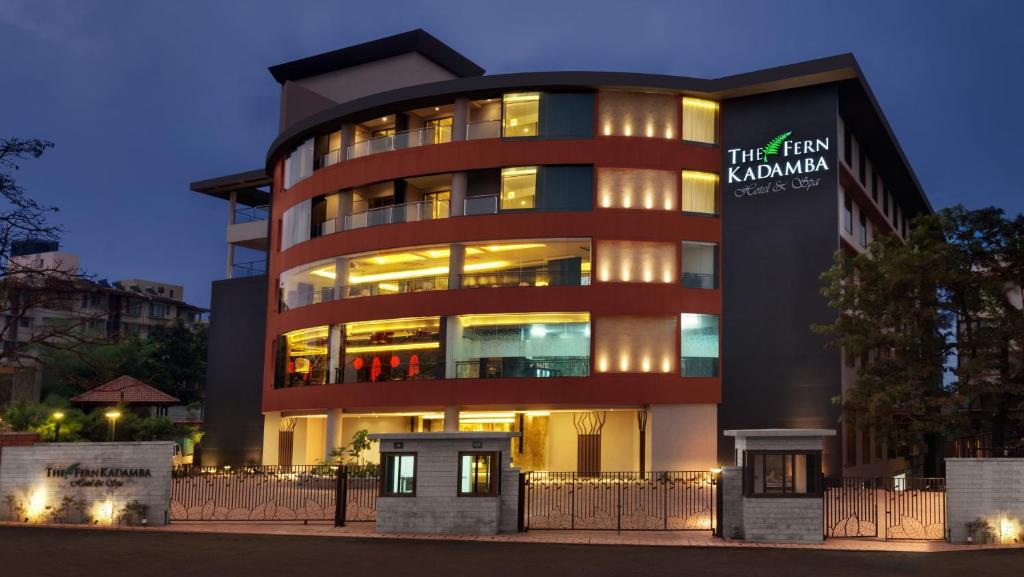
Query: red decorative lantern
pixel 358 363
pixel 375 370
pixel 414 365
pixel 395 362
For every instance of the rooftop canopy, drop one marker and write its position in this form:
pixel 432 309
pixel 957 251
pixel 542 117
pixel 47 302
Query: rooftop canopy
pixel 125 390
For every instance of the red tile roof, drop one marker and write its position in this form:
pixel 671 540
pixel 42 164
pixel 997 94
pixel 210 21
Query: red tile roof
pixel 127 390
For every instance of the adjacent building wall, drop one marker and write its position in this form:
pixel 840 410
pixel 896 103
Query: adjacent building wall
pixel 234 373
pixel 682 437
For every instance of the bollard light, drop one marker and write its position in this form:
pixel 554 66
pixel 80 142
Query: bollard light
pixel 112 416
pixel 58 416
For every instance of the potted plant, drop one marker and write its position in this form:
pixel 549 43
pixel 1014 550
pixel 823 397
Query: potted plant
pixel 134 513
pixel 975 529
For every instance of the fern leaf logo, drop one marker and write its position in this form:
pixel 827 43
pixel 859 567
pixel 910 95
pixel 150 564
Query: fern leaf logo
pixel 773 145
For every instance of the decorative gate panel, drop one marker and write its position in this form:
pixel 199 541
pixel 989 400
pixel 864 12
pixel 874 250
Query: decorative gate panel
pixel 916 508
pixel 666 501
pixel 851 506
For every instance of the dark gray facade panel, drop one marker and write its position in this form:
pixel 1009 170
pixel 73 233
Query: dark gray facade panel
pixel 567 115
pixel 565 188
pixel 234 374
pixel 779 233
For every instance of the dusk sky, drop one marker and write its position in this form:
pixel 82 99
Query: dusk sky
pixel 143 97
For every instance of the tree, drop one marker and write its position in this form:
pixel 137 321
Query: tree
pixel 26 286
pixel 933 326
pixel 175 359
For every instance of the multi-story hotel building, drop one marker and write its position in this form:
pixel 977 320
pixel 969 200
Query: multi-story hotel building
pixel 619 266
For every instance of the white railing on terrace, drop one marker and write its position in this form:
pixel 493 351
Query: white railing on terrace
pixel 409 212
pixel 485 129
pixel 400 140
pixel 332 157
pixel 480 205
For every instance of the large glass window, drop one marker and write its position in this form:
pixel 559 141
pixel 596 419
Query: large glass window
pixel 782 474
pixel 478 474
pixel 700 265
pixel 307 284
pixel 520 113
pixel 847 214
pixel 700 120
pixel 699 345
pixel 522 345
pixel 399 471
pixel 299 164
pixel 518 187
pixel 415 269
pixel 393 350
pixel 529 262
pixel 295 224
pixel 700 191
pixel 302 357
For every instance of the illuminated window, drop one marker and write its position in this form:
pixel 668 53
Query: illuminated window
pixel 399 471
pixel 700 191
pixel 302 357
pixel 393 350
pixel 295 224
pixel 700 120
pixel 527 263
pixel 522 345
pixel 439 129
pixel 782 473
pixel 699 345
pixel 520 113
pixel 307 284
pixel 328 149
pixel 299 164
pixel 478 474
pixel 518 188
pixel 408 270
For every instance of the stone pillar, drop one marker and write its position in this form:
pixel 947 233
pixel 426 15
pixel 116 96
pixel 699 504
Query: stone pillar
pixel 731 487
pixel 335 360
pixel 344 209
pixel 348 137
pixel 460 119
pixel 451 419
pixel 271 435
pixel 333 433
pixel 460 183
pixel 456 260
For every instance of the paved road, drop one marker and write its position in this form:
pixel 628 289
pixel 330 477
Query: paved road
pixel 31 552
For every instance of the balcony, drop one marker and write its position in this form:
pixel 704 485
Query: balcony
pixel 396 141
pixel 699 280
pixel 521 278
pixel 477 205
pixel 519 367
pixel 247 269
pixel 415 285
pixel 409 212
pixel 699 366
pixel 483 130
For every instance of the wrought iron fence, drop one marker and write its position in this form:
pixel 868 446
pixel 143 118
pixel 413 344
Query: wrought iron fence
pixel 851 506
pixel 273 493
pixel 915 508
pixel 629 501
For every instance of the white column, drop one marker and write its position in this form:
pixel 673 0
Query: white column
pixel 451 419
pixel 232 203
pixel 460 118
pixel 340 276
pixel 460 183
pixel 333 433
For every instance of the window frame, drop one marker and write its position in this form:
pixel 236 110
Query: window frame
pixel 494 483
pixel 384 457
pixel 748 475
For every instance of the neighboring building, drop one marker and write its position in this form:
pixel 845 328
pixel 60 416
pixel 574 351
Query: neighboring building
pixel 49 299
pixel 619 266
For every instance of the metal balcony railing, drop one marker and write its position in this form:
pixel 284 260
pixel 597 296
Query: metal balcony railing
pixel 699 280
pixel 475 205
pixel 251 214
pixel 414 285
pixel 520 367
pixel 400 140
pixel 251 268
pixel 409 212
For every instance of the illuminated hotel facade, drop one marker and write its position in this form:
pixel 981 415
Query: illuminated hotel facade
pixel 618 266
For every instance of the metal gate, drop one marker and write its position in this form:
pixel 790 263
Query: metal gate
pixel 915 508
pixel 274 493
pixel 665 501
pixel 851 506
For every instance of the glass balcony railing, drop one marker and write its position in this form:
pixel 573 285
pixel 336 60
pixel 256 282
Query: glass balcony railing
pixel 522 278
pixel 414 285
pixel 482 130
pixel 332 157
pixel 367 373
pixel 409 212
pixel 513 367
pixel 302 299
pixel 251 214
pixel 475 205
pixel 400 140
pixel 699 366
pixel 699 280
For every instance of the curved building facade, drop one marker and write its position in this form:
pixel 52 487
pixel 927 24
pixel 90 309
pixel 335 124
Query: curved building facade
pixel 572 256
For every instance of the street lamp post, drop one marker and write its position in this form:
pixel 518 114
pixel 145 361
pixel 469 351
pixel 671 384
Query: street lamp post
pixel 58 416
pixel 112 416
